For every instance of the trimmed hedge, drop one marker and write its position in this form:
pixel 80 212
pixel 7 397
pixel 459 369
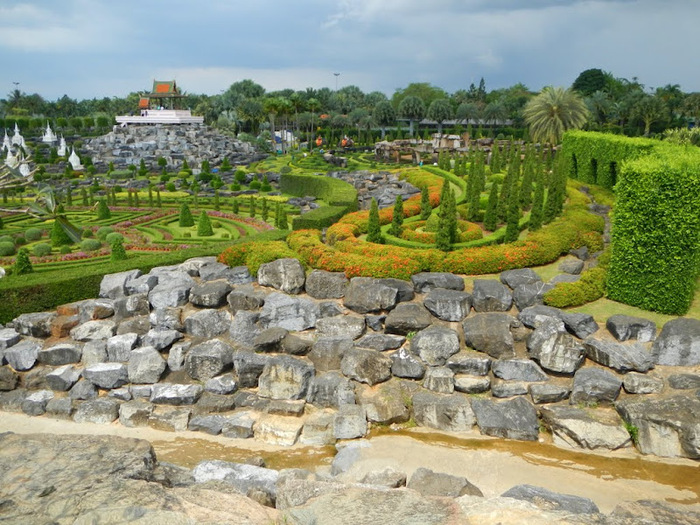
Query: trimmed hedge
pixel 596 158
pixel 319 218
pixel 656 231
pixel 590 287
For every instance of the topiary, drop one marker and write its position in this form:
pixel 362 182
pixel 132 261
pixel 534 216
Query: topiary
pixel 87 233
pixel 111 237
pixel 185 220
pixel 58 235
pixel 41 249
pixel 103 210
pixel 204 228
pixel 22 263
pixel 103 231
pixel 7 248
pixel 33 234
pixel 7 238
pixel 65 249
pixel 90 245
pixel 117 251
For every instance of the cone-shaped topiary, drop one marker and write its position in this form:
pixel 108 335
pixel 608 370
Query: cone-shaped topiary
pixel 58 235
pixel 185 219
pixel 22 263
pixel 204 225
pixel 374 232
pixel 397 220
pixel 117 251
pixel 103 210
pixel 491 216
pixel 425 208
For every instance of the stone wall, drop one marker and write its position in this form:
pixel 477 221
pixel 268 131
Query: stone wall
pixel 312 359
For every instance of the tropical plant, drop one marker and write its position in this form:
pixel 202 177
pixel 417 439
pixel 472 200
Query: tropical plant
pixel 384 115
pixel 554 111
pixel 412 109
pixel 440 110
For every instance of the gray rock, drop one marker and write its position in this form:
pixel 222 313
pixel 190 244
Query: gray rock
pixel 240 425
pixel 107 375
pixel 211 403
pixel 176 356
pixel 83 390
pixel 278 430
pixel 426 281
pixel 138 325
pixel 60 354
pixel 210 294
pixel 375 322
pixel 35 403
pixel 581 325
pixel 175 394
pixel 554 349
pixel 469 363
pixel 161 338
pixel 8 379
pixel 348 454
pixel 346 326
pixel 665 427
pixel 448 305
pixel 94 352
pixel 366 366
pixel 519 277
pixel 564 278
pixel 208 359
pixel 527 295
pixel 386 403
pixel 620 357
pixel 286 407
pixel 318 429
pixel 366 294
pixel 140 285
pixel 548 393
pixel 248 367
pixel 270 339
pixel 624 327
pixel 93 330
pixel 380 342
pixel 102 411
pixel 350 422
pixel 93 309
pixel 388 477
pixel 490 295
pixel 145 365
pixel 114 284
pixel 593 385
pixel 321 284
pixel 60 408
pixel 679 343
pixel 35 324
pixel 8 337
pixel 404 288
pixel 211 424
pixel 63 378
pixel 23 355
pixel 208 323
pixel 131 305
pixel 222 385
pixel 215 270
pixel 406 318
pixel 532 316
pixel 654 511
pixel 168 318
pixel 119 347
pixel 12 401
pixel 170 294
pixel 292 313
pixel 513 419
pixel 435 344
pixel 121 394
pixel 490 333
pixel 169 419
pixel 451 413
pixel 429 483
pixel 552 500
pixel 571 265
pixel 517 370
pixel 684 381
pixel 244 328
pixel 505 389
pixel 245 298
pixel 439 379
pixel 472 384
pixel 135 413
pixel 286 275
pixel 636 383
pixel 331 309
pixel 330 390
pixel 285 377
pixel 575 427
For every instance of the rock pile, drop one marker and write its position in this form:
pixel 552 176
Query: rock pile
pixel 380 185
pixel 318 358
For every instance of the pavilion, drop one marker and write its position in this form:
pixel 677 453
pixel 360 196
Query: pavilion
pixel 161 106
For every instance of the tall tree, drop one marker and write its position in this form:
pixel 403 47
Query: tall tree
pixel 397 218
pixel 374 231
pixel 412 109
pixel 649 109
pixel 440 110
pixel 384 115
pixel 589 81
pixel 554 111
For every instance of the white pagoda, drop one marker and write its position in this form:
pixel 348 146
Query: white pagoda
pixel 11 160
pixel 49 136
pixel 17 138
pixel 62 147
pixel 75 160
pixel 6 142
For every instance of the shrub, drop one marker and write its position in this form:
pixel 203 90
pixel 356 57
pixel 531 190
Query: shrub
pixel 204 228
pixel 90 245
pixel 20 240
pixel 22 263
pixel 103 231
pixel 185 219
pixel 33 234
pixel 590 287
pixel 111 237
pixel 41 249
pixel 7 238
pixel 187 235
pixel 7 248
pixel 86 233
pixel 103 210
pixel 58 235
pixel 253 254
pixel 65 249
pixel 117 251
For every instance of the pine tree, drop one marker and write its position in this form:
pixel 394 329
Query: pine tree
pixel 491 216
pixel 528 177
pixel 84 196
pixel 103 210
pixel 283 225
pixel 374 231
pixel 234 205
pixel 204 225
pixel 264 212
pixel 143 171
pixel 537 203
pixel 447 221
pixel 425 207
pixel 117 251
pixel 474 201
pixel 195 193
pixel 495 159
pixel 69 197
pixel 58 235
pixel 217 204
pixel 22 263
pixel 512 223
pixel 251 206
pixel 185 220
pixel 159 202
pixel 397 220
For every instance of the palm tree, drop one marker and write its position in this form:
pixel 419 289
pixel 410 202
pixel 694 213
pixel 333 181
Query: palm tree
pixel 440 110
pixel 554 111
pixel 412 109
pixel 649 109
pixel 384 115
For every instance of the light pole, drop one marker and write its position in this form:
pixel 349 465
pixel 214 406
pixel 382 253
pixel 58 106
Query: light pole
pixel 336 80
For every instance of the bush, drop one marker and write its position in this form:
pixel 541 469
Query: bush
pixel 185 219
pixel 20 240
pixel 7 238
pixel 22 263
pixel 103 211
pixel 41 249
pixel 255 184
pixel 117 251
pixel 7 248
pixel 33 234
pixel 65 249
pixel 253 254
pixel 204 225
pixel 590 287
pixel 111 237
pixel 103 231
pixel 90 245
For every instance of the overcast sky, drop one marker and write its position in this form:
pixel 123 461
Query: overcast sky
pixel 96 48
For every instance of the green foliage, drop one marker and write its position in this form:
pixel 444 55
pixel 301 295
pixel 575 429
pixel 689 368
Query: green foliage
pixel 65 249
pixel 397 217
pixel 41 249
pixel 59 237
pixel 90 245
pixel 374 231
pixel 319 218
pixel 333 191
pixel 235 206
pixel 491 216
pixel 513 219
pixel 536 214
pixel 281 217
pixel 22 263
pixel 656 231
pixel 7 248
pixel 589 81
pixel 590 287
pixel 185 219
pixel 554 111
pixel 33 234
pixel 633 431
pixel 111 237
pixel 204 228
pixel 447 220
pixel 425 208
pixel 265 186
pixel 103 210
pixel 103 231
pixel 251 206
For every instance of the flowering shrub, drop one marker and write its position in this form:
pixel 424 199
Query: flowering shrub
pixel 254 254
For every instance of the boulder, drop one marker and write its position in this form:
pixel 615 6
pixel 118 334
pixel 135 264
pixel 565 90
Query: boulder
pixel 530 294
pixel 169 318
pixel 94 352
pixel 292 313
pixel 387 477
pixel 145 365
pixel 286 275
pixel 248 367
pixel 214 270
pixel 114 285
pixel 345 326
pixel 564 278
pixel 285 377
pixel 519 277
pixel 429 483
pixel 548 393
pixel 532 316
pixel 240 425
pixel 23 355
pixel 60 408
pixel 107 375
pixel 448 305
pixel 579 428
pixel 665 427
pixel 380 342
pixel 35 324
pixel 161 339
pixel 60 354
pixel 139 325
pixel 403 288
pixel 549 500
pixel 327 353
pixel 655 511
pixel 245 298
pixel 8 337
pixel 620 357
pixel 679 343
pixel 93 330
pixel 83 390
pixel 35 403
pixel 554 349
pixel 684 381
pixel 286 407
pixel 350 422
pixel 624 327
pixel 244 328
pixel 63 378
pixel 131 305
pixel 102 411
pixel 135 413
pixel 435 344
pixel 366 294
pixel 439 379
pixel 321 284
pixel 211 294
pixel 490 295
pixel 505 389
pixel 406 318
pixel 170 294
pixel 177 354
pixel 208 359
pixel 169 419
pixel 571 265
pixel 119 347
pixel 581 325
pixel 175 394
pixel 93 309
pixel 366 366
pixel 318 429
pixel 278 430
pixel 490 333
pixel 517 370
pixel 8 379
pixel 209 424
pixel 141 285
pixel 452 413
pixel 330 390
pixel 469 363
pixel 209 403
pixel 426 281
pixel 384 404
pixel 406 364
pixel 222 385
pixel 208 323
pixel 472 384
pixel 636 383
pixel 513 419
pixel 593 385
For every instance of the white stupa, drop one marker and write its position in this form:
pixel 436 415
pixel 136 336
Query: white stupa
pixel 49 136
pixel 62 148
pixel 6 142
pixel 75 160
pixel 24 168
pixel 11 160
pixel 17 138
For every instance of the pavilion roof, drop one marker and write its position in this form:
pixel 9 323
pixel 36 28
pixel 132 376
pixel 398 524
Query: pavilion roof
pixel 164 89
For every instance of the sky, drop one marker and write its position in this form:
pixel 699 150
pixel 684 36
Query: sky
pixel 96 48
